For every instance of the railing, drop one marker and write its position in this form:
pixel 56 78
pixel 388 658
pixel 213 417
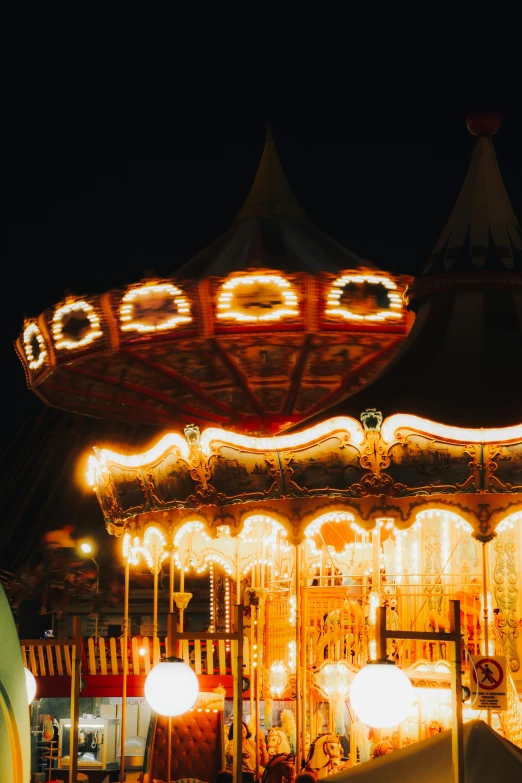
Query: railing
pixel 339 620
pixel 49 657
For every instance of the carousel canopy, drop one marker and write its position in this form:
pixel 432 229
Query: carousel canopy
pixel 459 363
pixel 269 324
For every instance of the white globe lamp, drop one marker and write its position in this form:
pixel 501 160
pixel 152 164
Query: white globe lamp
pixel 381 695
pixel 171 687
pixel 30 684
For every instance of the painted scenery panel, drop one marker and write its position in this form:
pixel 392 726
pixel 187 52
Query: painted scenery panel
pixel 424 462
pixel 128 486
pixel 326 466
pixel 171 479
pixel 508 474
pixel 234 473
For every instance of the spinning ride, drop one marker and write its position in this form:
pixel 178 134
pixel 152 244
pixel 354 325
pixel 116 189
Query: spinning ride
pixel 407 493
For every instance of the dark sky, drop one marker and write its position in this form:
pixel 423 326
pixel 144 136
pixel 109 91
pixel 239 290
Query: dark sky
pixel 108 173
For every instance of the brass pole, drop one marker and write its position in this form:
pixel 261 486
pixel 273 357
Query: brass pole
pixel 303 662
pixel 125 671
pixel 155 645
pixel 256 686
pixel 171 586
pixel 485 609
pixel 238 695
pixel 457 729
pixel 171 619
pixel 298 672
pixel 376 557
pixel 75 696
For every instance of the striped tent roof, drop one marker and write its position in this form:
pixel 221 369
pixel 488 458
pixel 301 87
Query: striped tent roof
pixel 271 231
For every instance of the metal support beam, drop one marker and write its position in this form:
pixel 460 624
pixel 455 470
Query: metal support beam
pixel 75 696
pixel 382 634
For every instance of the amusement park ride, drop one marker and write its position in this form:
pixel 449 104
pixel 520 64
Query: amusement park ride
pixel 322 458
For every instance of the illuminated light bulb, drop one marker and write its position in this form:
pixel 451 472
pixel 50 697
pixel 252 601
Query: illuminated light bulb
pixel 171 688
pixel 142 651
pixel 381 695
pixel 129 323
pixel 30 684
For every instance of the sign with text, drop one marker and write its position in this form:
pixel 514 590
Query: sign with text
pixel 488 682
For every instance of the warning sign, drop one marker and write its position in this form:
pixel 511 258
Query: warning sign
pixel 488 682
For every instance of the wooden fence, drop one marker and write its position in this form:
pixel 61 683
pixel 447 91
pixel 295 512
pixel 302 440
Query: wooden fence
pixel 49 657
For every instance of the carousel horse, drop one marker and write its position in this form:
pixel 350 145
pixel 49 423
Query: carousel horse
pixel 277 742
pixel 325 756
pixel 280 767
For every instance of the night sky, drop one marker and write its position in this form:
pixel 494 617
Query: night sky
pixel 108 175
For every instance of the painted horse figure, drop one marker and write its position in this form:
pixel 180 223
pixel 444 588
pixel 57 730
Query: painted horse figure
pixel 325 756
pixel 280 767
pixel 277 742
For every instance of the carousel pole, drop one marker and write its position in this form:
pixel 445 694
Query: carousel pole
pixel 256 686
pixel 171 619
pixel 298 672
pixel 155 641
pixel 180 609
pixel 75 696
pixel 125 671
pixel 485 610
pixel 304 626
pixel 238 695
pixel 376 554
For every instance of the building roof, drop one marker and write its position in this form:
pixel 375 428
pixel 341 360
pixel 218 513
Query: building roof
pixel 271 231
pixel 458 365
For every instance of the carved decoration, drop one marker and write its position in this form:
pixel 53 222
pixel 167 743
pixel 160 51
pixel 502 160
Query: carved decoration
pixel 505 579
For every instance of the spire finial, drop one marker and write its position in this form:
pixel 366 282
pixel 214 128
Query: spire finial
pixel 484 123
pixel 270 195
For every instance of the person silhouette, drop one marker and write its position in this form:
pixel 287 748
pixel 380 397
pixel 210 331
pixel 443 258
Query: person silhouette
pixel 488 674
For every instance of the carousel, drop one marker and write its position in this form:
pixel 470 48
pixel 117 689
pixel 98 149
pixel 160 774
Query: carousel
pixel 318 459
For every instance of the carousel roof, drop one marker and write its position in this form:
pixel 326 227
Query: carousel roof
pixel 458 364
pixel 270 323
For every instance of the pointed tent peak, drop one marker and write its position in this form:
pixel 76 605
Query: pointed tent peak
pixel 270 194
pixel 483 232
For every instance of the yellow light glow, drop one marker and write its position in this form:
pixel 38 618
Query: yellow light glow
pixel 259 521
pixel 335 307
pixel 337 426
pixel 127 317
pixel 186 529
pixel 153 548
pixel 131 549
pixel 331 516
pixel 76 307
pixel 393 424
pixel 509 522
pixel 32 331
pixel 229 291
pixel 97 465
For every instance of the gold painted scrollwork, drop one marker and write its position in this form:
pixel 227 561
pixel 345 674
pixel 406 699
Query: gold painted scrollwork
pixel 505 579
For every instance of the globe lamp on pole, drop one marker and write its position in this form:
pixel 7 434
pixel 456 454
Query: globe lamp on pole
pixel 381 695
pixel 171 687
pixel 30 684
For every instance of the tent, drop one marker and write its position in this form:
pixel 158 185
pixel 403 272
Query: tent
pixel 488 758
